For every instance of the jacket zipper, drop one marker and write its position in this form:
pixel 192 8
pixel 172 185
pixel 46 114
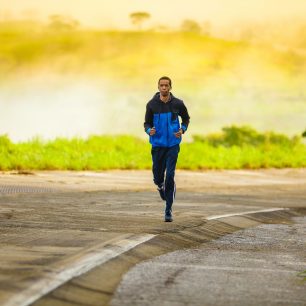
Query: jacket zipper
pixel 167 130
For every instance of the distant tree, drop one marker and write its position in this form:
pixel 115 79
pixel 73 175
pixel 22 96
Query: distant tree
pixel 301 34
pixel 30 14
pixel 248 33
pixel 138 18
pixel 304 134
pixel 191 26
pixel 60 23
pixel 206 28
pixel 6 15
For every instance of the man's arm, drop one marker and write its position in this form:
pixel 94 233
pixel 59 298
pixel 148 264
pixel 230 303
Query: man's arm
pixel 185 117
pixel 148 123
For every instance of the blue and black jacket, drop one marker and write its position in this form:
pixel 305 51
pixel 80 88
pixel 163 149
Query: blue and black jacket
pixel 164 117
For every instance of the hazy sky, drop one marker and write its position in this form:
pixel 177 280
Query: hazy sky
pixel 115 13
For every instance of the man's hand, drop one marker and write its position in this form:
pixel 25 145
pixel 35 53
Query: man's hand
pixel 152 131
pixel 179 133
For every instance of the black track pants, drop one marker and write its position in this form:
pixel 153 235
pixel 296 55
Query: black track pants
pixel 164 160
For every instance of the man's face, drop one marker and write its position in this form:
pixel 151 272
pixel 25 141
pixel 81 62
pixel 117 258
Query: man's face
pixel 164 87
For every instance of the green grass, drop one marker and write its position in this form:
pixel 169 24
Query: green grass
pixel 302 275
pixel 233 148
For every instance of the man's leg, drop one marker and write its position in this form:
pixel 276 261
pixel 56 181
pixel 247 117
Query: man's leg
pixel 158 168
pixel 171 160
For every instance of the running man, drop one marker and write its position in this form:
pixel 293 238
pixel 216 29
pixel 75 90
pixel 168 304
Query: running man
pixel 165 130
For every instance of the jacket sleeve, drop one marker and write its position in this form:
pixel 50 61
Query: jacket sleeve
pixel 185 117
pixel 148 123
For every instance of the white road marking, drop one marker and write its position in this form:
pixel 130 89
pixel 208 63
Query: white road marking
pixel 244 213
pixel 90 260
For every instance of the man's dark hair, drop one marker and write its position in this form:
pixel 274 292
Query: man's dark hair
pixel 165 78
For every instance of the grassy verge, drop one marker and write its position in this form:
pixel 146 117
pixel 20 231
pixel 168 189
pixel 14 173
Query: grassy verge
pixel 302 275
pixel 233 148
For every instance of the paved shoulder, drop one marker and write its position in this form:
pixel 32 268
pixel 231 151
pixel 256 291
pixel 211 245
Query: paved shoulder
pixel 256 266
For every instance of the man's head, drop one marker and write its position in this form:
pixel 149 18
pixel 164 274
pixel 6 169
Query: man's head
pixel 164 85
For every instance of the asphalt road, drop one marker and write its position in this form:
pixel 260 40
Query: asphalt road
pixel 69 238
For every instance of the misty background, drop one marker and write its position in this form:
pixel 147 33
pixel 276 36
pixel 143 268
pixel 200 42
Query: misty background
pixel 77 69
